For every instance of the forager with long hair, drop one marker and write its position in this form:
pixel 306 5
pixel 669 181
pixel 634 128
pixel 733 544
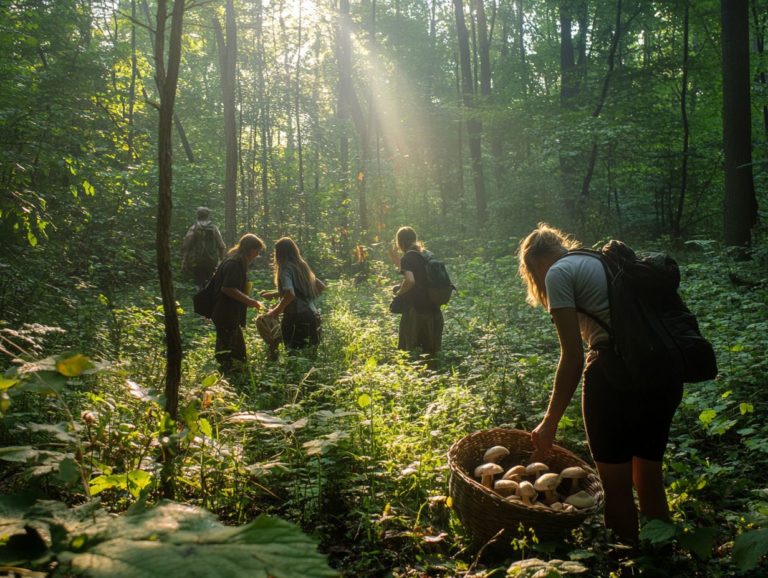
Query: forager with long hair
pixel 232 302
pixel 298 288
pixel 627 430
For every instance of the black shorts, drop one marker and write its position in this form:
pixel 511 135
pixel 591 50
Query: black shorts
pixel 624 424
pixel 301 329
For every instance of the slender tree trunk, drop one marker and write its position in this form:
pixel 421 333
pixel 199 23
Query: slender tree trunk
pixel 227 64
pixel 299 150
pixel 176 120
pixel 167 79
pixel 678 216
pixel 132 87
pixel 474 126
pixel 617 32
pixel 740 201
pixel 759 23
pixel 263 117
pixel 520 42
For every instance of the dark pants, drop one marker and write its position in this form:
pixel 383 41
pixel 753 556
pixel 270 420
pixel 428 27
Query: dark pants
pixel 421 330
pixel 620 423
pixel 230 348
pixel 300 329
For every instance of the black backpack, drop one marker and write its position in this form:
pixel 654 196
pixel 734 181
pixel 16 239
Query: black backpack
pixel 204 300
pixel 205 248
pixel 652 330
pixel 439 286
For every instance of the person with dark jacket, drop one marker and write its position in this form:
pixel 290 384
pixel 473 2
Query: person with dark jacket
pixel 232 302
pixel 627 430
pixel 202 248
pixel 421 323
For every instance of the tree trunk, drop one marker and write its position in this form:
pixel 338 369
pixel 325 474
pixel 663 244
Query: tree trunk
pixel 617 32
pixel 132 87
pixel 227 65
pixel 176 120
pixel 759 22
pixel 678 216
pixel 167 80
pixel 740 201
pixel 474 126
pixel 299 151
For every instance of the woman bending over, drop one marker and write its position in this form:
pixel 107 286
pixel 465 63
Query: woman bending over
pixel 627 430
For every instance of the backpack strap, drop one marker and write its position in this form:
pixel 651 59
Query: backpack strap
pixel 608 278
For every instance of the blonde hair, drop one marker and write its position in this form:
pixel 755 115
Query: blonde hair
pixel 287 257
pixel 406 239
pixel 544 241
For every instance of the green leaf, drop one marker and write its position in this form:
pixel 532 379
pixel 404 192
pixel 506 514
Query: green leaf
pixel 205 427
pixel 73 366
pixel 209 380
pixel 364 401
pixel 20 454
pixel 176 540
pixel 749 547
pixel 7 383
pixel 707 416
pixel 746 408
pixel 700 542
pixel 101 483
pixel 69 471
pixel 137 481
pixel 658 531
pixel 88 188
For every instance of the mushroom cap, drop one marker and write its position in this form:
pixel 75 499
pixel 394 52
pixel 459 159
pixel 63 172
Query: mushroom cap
pixel 536 468
pixel 514 472
pixel 557 506
pixel 489 469
pixel 526 490
pixel 495 454
pixel 581 500
pixel 505 487
pixel 574 472
pixel 547 483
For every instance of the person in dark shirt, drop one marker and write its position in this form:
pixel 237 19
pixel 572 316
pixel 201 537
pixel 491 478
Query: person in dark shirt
pixel 232 302
pixel 297 288
pixel 421 324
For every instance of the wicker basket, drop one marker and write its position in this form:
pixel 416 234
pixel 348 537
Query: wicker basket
pixel 484 513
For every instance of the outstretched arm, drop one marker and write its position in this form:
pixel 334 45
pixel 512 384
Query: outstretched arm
pixel 569 370
pixel 238 295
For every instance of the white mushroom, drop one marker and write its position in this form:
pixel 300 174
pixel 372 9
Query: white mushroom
pixel 505 487
pixel 575 474
pixel 514 473
pixel 547 483
pixel 581 500
pixel 495 454
pixel 527 493
pixel 535 469
pixel 486 472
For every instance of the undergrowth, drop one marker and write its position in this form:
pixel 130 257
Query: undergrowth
pixel 351 443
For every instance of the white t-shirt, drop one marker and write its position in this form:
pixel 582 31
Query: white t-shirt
pixel 579 281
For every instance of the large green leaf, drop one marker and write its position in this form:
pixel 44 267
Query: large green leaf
pixel 177 540
pixel 749 547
